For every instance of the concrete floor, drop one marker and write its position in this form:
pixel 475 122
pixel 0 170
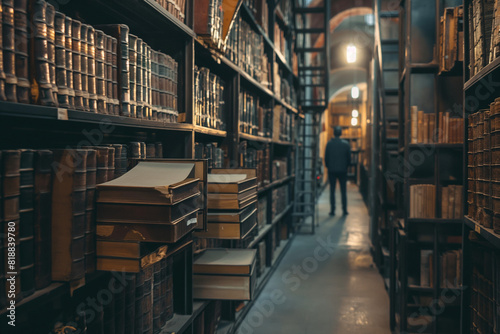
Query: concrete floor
pixel 326 283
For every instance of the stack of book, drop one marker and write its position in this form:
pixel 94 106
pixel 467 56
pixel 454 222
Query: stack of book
pixel 423 127
pixel 232 204
pixel 451 38
pixel 175 7
pixel 153 202
pixel 209 99
pixel 208 22
pixel 482 34
pixel 451 203
pixel 225 274
pixel 423 201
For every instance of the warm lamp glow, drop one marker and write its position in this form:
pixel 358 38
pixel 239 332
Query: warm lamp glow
pixel 355 113
pixel 355 92
pixel 354 121
pixel 351 53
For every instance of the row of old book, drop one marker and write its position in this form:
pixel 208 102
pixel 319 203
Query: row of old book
pixel 175 7
pixel 484 36
pixel 485 286
pixel 260 11
pixel 209 99
pixel 283 88
pixel 255 119
pixel 101 69
pixel 423 201
pixel 451 38
pixel 258 159
pixel 208 22
pixel 49 196
pixel 280 41
pixel 425 129
pixel 482 171
pixel 214 154
pixel 280 168
pixel 283 124
pixel 449 265
pixel 245 48
pixel 280 200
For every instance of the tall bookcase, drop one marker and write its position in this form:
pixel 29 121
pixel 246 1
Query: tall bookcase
pixel 481 241
pixel 37 127
pixel 423 243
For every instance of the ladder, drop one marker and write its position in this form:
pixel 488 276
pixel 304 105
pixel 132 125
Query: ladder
pixel 312 48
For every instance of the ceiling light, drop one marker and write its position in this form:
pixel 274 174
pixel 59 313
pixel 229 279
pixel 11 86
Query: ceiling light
pixel 355 113
pixel 355 92
pixel 351 53
pixel 354 121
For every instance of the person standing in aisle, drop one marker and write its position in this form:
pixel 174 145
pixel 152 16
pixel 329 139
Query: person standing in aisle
pixel 337 160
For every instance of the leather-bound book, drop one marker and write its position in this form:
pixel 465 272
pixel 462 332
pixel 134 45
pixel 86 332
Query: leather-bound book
pixel 60 59
pixel 44 95
pixel 139 79
pixel 51 49
pixel 102 164
pixel 157 298
pixel 147 301
pixel 43 212
pixel 132 73
pixel 139 296
pixel 109 314
pixel 68 22
pixel 21 50
pixel 91 65
pixel 84 64
pixel 130 304
pixel 68 214
pixel 11 164
pixel 90 241
pixel 111 163
pixel 100 56
pixel 9 52
pixel 114 64
pixel 76 36
pixel 120 307
pixel 109 73
pixel 147 85
pixel 150 151
pixel 2 73
pixel 26 223
pixel 168 289
pixel 121 33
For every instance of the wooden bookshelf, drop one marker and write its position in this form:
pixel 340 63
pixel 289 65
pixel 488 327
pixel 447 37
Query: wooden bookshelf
pixel 59 127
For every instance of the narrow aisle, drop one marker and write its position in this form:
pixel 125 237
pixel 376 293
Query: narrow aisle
pixel 326 283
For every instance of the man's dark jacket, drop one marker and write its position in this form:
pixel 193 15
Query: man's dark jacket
pixel 337 156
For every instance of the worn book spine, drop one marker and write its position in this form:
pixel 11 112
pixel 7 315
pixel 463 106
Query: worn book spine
pixel 90 227
pixel 102 164
pixel 108 73
pixel 42 228
pixel 157 298
pixel 21 50
pixel 132 73
pixel 130 289
pixel 51 50
pixel 69 214
pixel 111 163
pixel 84 61
pixel 76 36
pixel 120 307
pixel 100 68
pixel 138 80
pixel 60 60
pixel 114 64
pixel 91 69
pixel 147 301
pixel 2 72
pixel 9 51
pixel 11 164
pixel 26 222
pixel 109 316
pixel 69 61
pixel 139 296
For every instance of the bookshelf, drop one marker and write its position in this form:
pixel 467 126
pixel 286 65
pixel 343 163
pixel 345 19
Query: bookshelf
pixel 481 240
pixel 36 126
pixel 430 149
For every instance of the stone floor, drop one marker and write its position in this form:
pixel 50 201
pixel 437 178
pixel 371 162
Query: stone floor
pixel 327 282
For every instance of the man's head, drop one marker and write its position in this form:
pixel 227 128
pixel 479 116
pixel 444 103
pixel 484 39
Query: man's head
pixel 337 131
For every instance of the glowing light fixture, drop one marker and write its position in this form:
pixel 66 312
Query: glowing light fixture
pixel 355 113
pixel 355 92
pixel 351 53
pixel 354 121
